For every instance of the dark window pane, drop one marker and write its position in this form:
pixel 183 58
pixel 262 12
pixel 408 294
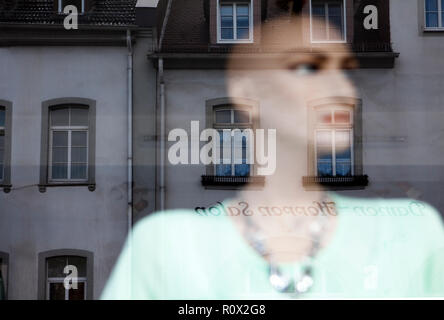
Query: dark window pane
pixel 324 154
pixel 223 116
pixel 343 154
pixel 243 33
pixel 2 142
pixel 78 171
pixel 60 171
pixel 343 168
pixel 79 139
pixel 334 10
pixel 56 266
pixel 242 10
pixel 79 263
pixel 79 154
pixel 242 170
pixel 431 5
pixel 226 22
pixel 227 34
pixel 79 293
pixel 56 291
pixel 76 3
pixel 2 117
pixel 432 20
pixel 60 138
pixel 79 117
pixel 60 155
pixel 325 168
pixel 318 10
pixel 226 10
pixel 335 22
pixel 1 171
pixel 223 170
pixel 241 116
pixel 243 22
pixel 60 117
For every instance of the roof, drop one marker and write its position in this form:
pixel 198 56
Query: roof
pixel 102 12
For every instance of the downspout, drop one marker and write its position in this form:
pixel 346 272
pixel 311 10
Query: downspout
pixel 161 110
pixel 130 128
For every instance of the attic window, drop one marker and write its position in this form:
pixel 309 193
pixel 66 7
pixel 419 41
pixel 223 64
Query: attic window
pixel 79 4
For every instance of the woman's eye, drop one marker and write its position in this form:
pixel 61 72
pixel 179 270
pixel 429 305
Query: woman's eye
pixel 303 69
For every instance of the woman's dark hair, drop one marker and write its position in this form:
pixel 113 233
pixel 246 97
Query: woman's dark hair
pixel 297 5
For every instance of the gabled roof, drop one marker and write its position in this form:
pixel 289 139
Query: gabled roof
pixel 102 12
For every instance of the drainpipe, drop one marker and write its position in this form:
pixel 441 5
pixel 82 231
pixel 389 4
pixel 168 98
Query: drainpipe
pixel 130 129
pixel 162 137
pixel 161 115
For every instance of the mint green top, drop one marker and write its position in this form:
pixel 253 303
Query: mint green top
pixel 381 249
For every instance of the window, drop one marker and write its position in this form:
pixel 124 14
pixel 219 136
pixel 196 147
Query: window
pixel 4 257
pixel 68 144
pixel 55 276
pixel 235 21
pixel 79 4
pixel 5 144
pixel 234 144
pixel 51 278
pixel 328 22
pixel 334 142
pixel 434 14
pixel 2 142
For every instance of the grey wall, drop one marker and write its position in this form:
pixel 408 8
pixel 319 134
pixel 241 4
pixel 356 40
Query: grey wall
pixel 65 217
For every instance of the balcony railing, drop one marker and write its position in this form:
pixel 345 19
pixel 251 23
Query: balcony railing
pixel 330 181
pixel 210 180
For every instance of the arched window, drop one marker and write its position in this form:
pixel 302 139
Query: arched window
pixel 65 274
pixel 68 143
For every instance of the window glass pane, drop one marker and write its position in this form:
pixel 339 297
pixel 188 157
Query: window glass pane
pixel 323 138
pixel 431 5
pixel 242 10
pixel 79 154
pixel 343 168
pixel 335 22
pixel 243 33
pixel 60 117
pixel 325 168
pixel 76 3
pixel 2 142
pixel 78 171
pixel 227 34
pixel 241 116
pixel 432 20
pixel 79 263
pixel 56 291
pixel 242 170
pixel 1 171
pixel 79 139
pixel 60 171
pixel 334 10
pixel 60 155
pixel 318 10
pixel 342 117
pixel 79 293
pixel 56 266
pixel 324 116
pixel 342 138
pixel 243 22
pixel 343 154
pixel 223 170
pixel 2 117
pixel 79 117
pixel 226 22
pixel 226 10
pixel 60 138
pixel 223 116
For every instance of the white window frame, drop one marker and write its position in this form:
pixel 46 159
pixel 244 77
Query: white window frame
pixel 3 131
pixel 50 280
pixel 232 126
pixel 219 30
pixel 333 127
pixel 81 11
pixel 70 130
pixel 440 20
pixel 344 25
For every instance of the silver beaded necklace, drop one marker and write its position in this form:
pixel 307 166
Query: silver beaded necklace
pixel 284 284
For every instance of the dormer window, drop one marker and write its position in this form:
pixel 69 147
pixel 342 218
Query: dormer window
pixel 79 4
pixel 234 21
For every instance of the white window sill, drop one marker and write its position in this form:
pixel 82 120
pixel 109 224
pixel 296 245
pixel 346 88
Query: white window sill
pixel 234 41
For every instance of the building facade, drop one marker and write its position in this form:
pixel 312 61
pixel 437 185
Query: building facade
pixel 66 101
